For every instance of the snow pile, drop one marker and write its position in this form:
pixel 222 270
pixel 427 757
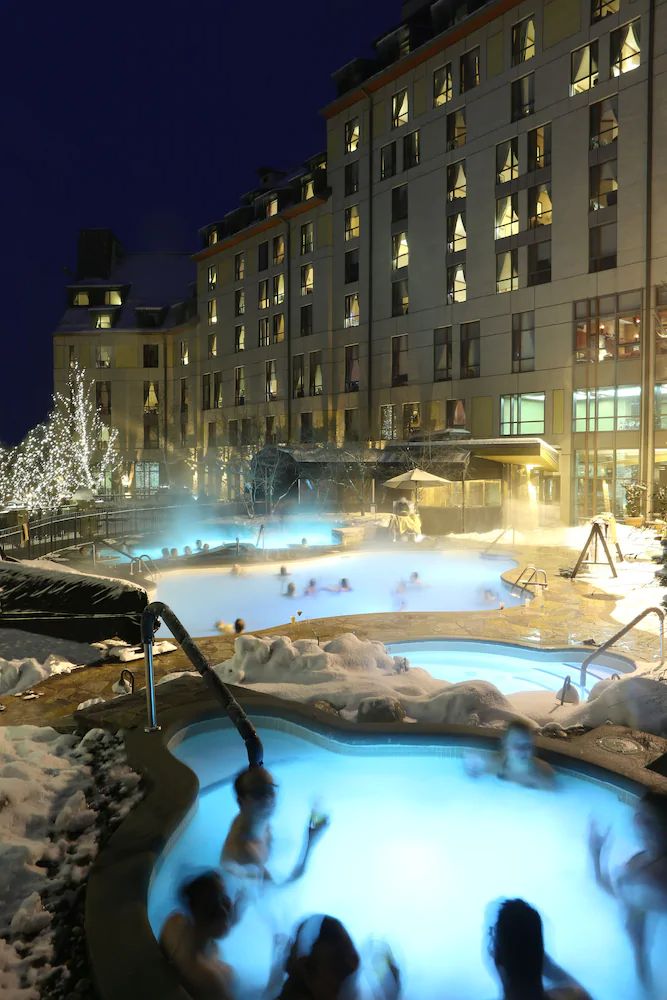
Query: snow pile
pixel 59 798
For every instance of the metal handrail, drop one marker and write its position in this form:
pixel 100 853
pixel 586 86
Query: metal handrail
pixel 619 635
pixel 533 579
pixel 246 730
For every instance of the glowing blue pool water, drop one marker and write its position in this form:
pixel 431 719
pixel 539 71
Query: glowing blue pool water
pixel 452 581
pixel 511 668
pixel 415 853
pixel 277 534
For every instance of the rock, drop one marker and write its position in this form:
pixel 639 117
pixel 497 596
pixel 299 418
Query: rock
pixel 568 694
pixel 380 710
pixel 325 706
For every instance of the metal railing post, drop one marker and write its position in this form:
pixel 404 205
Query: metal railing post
pixel 151 711
pixel 619 635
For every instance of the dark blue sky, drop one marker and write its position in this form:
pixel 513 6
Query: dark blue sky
pixel 149 117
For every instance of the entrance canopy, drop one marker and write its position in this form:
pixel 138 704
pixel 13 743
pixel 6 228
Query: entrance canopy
pixel 532 452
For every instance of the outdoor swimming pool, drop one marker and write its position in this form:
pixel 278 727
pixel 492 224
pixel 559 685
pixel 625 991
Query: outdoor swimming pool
pixel 511 668
pixel 415 854
pixel 452 581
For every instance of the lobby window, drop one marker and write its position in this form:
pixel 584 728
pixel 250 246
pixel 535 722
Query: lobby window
pixel 523 41
pixel 352 134
pixel 539 206
pixel 507 216
pixel 279 249
pixel 455 413
pixel 212 312
pixel 456 283
pixel 624 49
pixel 602 8
pixel 307 238
pixel 351 425
pixel 307 279
pixel 584 69
pixel 399 109
pixel 539 147
pixel 399 203
pixel 306 321
pixel 523 342
pixel 612 408
pixel 271 207
pixel 660 407
pixel 442 354
pixel 217 390
pixel 400 299
pixel 239 302
pixel 239 338
pixel 352 372
pixel 212 345
pixel 278 289
pixel 102 357
pixel 507 160
pixel 522 413
pixel 212 277
pixel 151 356
pixel 352 309
pixel 306 427
pixel 412 419
pixel 507 271
pixel 523 97
pixel 263 256
pixel 307 188
pixel 443 87
pixel 456 180
pixel 206 392
pixel 239 266
pixel 351 178
pixel 112 298
pixel 604 122
pixel 263 294
pixel 469 70
pixel 602 247
pixel 456 129
pixel 263 332
pixel 103 398
pixel 298 376
pixel 184 353
pixel 81 299
pixel 608 327
pixel 388 161
pixel 316 385
pixel 271 380
pixel 603 185
pixel 539 263
pixel 352 222
pixel 399 360
pixel 278 324
pixel 351 266
pixel 470 350
pixel 456 232
pixel 411 150
pixel 400 254
pixel 388 424
pixel 103 321
pixel 239 386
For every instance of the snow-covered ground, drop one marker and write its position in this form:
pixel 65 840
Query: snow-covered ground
pixel 59 796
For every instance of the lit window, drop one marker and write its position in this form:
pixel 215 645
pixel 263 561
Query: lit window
pixel 539 147
pixel 523 342
pixel 442 354
pixel 278 289
pixel 584 69
pixel 400 298
pixel 278 249
pixel 306 238
pixel 239 302
pixel 400 256
pixel 625 48
pixel 81 299
pixel 212 237
pixel 212 312
pixel 507 160
pixel 507 216
pixel 388 161
pixel 185 352
pixel 272 207
pixel 316 375
pixel 388 422
pixel 151 402
pixel 239 338
pixel 307 189
pixel 298 376
pixel 522 413
pixel 278 323
pixel 456 232
pixel 307 279
pixel 523 97
pixel 352 135
pixel 601 8
pixel 611 408
pixel 212 277
pixel 539 206
pixel 456 283
pixel 456 129
pixel 352 222
pixel 523 41
pixel 212 345
pixel 71 357
pixel 443 88
pixel 263 332
pixel 239 386
pixel 411 419
pixel 112 298
pixel 103 321
pixel 102 357
pixel 456 180
pixel 469 70
pixel 539 263
pixel 399 109
pixel 239 266
pixel 470 347
pixel 411 153
pixel 603 185
pixel 271 378
pixel 507 271
pixel 263 294
pixel 352 309
pixel 217 390
pixel 604 122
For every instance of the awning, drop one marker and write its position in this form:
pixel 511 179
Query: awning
pixel 518 451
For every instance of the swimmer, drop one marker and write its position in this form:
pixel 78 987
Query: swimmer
pixel 516 760
pixel 198 545
pixel 304 541
pixel 400 602
pixel 340 588
pixel 226 629
pixel 640 887
pixel 283 571
pixel 415 580
pixel 205 547
pixel 165 553
pixel 311 589
pixel 239 626
pixel 187 551
pixel 173 553
pixel 322 962
pixel 236 570
pixel 291 590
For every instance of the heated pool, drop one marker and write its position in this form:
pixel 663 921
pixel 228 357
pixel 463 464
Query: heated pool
pixel 415 854
pixel 511 668
pixel 450 581
pixel 265 533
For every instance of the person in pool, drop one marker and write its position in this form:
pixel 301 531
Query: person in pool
pixel 311 589
pixel 516 761
pixel 290 590
pixel 516 945
pixel 641 885
pixel 343 587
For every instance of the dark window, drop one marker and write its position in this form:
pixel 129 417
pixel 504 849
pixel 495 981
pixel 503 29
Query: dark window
pixel 456 129
pixel 206 392
pixel 399 360
pixel 603 185
pixel 442 354
pixel 352 368
pixel 262 256
pixel 507 160
pixel 523 342
pixel 271 379
pixel 233 433
pixel 399 203
pixel 298 375
pixel 151 430
pixel 307 238
pixel 239 338
pixel 103 398
pixel 523 97
pixel 352 177
pixel 604 122
pixel 400 300
pixel 539 206
pixel 470 350
pixel 212 345
pixel 539 147
pixel 455 413
pixel 270 436
pixel 239 386
pixel 247 431
pixel 239 266
pixel 212 438
pixel 456 180
pixel 388 161
pixel 151 356
pixel 539 263
pixel 351 266
pixel 470 70
pixel 411 151
pixel 306 321
pixel 602 247
pixel 306 428
pixel 351 425
pixel 217 390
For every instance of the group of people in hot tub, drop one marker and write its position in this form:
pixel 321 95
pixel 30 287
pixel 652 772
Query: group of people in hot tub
pixel 321 962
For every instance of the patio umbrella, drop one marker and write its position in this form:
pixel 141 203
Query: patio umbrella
pixel 415 478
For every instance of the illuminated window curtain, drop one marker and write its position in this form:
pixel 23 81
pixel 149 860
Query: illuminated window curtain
pixel 528 39
pixel 352 310
pixel 400 252
pixel 456 283
pixel 443 89
pixel 316 381
pixel 458 237
pixel 399 109
pixel 212 312
pixel 457 178
pixel 507 218
pixel 278 328
pixel 278 289
pixel 542 209
pixel 507 278
pixel 150 397
pixel 507 161
pixel 626 49
pixel 584 69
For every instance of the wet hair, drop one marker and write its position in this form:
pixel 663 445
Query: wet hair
pixel 283 570
pixel 206 898
pixel 320 937
pixel 344 582
pixel 291 589
pixel 312 583
pixel 165 552
pixel 518 944
pixel 304 541
pixel 252 776
pixel 173 552
pixel 239 626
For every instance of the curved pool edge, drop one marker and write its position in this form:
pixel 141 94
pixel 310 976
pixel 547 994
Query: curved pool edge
pixel 116 916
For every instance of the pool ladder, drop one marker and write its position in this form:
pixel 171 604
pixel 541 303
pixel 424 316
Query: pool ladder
pixel 534 577
pixel 149 622
pixel 619 635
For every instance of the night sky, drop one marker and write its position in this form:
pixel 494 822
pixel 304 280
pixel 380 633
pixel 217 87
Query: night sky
pixel 148 117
